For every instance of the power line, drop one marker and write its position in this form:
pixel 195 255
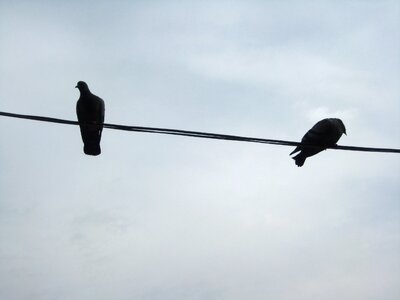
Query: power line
pixel 197 134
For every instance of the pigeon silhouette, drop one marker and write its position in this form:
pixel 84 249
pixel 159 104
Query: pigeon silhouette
pixel 324 134
pixel 90 111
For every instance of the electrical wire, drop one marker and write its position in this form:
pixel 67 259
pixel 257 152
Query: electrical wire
pixel 198 134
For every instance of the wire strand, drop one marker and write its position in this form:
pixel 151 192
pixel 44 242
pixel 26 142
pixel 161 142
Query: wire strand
pixel 198 134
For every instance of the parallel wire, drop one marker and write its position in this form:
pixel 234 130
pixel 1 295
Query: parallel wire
pixel 198 134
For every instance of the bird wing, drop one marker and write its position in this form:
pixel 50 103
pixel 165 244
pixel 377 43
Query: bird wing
pixel 90 109
pixel 100 114
pixel 318 135
pixel 297 149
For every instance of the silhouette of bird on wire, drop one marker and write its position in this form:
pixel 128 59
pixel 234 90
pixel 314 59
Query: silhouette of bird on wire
pixel 90 111
pixel 322 135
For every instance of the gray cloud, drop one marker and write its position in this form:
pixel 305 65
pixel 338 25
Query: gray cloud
pixel 160 217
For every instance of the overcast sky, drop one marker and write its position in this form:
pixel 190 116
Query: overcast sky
pixel 159 217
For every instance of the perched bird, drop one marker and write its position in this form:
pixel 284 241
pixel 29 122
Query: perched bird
pixel 322 135
pixel 90 111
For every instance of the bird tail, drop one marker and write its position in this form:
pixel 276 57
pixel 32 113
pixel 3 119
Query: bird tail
pixel 92 148
pixel 295 150
pixel 91 137
pixel 299 159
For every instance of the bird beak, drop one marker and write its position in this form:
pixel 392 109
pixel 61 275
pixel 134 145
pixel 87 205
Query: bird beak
pixel 76 86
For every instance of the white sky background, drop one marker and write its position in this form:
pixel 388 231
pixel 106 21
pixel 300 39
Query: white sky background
pixel 162 217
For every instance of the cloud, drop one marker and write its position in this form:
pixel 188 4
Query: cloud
pixel 164 217
pixel 319 113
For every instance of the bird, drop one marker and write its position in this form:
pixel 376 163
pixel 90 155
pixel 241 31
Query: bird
pixel 90 110
pixel 322 135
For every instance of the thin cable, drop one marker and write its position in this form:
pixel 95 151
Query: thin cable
pixel 198 134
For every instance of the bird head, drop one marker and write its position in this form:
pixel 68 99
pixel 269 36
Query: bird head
pixel 341 126
pixel 82 86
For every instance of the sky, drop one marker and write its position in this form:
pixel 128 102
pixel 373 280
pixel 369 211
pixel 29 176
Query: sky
pixel 165 217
